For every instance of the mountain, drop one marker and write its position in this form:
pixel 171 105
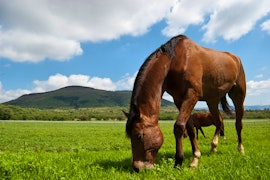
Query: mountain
pixel 75 97
pixel 258 107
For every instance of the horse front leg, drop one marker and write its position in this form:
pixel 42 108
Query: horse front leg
pixel 179 128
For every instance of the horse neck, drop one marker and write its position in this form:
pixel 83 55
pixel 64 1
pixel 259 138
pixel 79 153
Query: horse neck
pixel 148 97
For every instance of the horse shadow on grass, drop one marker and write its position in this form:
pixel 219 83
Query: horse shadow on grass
pixel 124 165
pixel 120 165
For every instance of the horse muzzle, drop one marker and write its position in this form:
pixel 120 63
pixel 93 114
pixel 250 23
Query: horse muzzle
pixel 139 165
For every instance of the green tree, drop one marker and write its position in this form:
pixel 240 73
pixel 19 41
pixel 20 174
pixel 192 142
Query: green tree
pixel 5 113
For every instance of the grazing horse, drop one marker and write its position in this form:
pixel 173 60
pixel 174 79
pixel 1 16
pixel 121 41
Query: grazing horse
pixel 203 120
pixel 189 73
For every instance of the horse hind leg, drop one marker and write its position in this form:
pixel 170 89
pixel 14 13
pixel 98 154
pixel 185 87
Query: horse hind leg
pixel 202 132
pixel 237 97
pixel 222 133
pixel 194 144
pixel 218 120
pixel 197 133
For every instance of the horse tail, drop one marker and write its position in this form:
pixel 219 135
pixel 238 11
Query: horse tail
pixel 225 105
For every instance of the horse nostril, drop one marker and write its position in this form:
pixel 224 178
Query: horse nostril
pixel 137 165
pixel 136 169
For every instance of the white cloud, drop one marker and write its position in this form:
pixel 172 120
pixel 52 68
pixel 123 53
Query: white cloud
pixel 185 13
pixel 234 19
pixel 126 82
pixel 258 88
pixel 266 26
pixel 11 94
pixel 167 97
pixel 258 92
pixel 33 30
pixel 24 46
pixel 228 19
pixel 58 81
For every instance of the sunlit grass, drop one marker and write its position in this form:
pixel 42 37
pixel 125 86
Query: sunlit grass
pixel 94 150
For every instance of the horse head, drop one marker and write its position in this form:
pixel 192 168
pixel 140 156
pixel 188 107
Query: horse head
pixel 146 139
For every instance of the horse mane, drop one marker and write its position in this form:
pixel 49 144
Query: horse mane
pixel 167 48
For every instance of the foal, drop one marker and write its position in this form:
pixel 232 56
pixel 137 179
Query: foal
pixel 203 120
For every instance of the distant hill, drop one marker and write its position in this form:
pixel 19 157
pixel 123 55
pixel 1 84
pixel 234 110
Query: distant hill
pixel 258 107
pixel 75 97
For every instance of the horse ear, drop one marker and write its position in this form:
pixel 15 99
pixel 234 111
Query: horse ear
pixel 125 113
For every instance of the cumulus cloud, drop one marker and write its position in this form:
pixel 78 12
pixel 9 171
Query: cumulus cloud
pixel 126 82
pixel 59 81
pixel 227 19
pixel 257 88
pixel 266 26
pixel 258 92
pixel 233 19
pixel 185 13
pixel 24 46
pixel 218 18
pixel 6 95
pixel 33 30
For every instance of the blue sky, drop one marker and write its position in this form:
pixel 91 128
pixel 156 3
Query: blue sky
pixel 46 45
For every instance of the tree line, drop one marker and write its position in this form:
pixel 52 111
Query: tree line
pixel 8 112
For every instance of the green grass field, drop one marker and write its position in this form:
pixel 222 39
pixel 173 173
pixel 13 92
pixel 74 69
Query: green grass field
pixel 100 150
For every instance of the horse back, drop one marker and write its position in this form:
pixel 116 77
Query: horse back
pixel 209 72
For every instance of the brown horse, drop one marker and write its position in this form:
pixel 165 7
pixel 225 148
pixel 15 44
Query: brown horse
pixel 189 73
pixel 203 120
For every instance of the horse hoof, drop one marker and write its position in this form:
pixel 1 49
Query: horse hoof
pixel 214 150
pixel 194 163
pixel 241 149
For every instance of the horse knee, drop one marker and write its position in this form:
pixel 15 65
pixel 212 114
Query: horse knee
pixel 179 129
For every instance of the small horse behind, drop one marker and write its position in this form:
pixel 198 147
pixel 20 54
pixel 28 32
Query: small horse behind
pixel 203 120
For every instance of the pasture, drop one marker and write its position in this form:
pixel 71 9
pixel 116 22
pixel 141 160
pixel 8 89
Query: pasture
pixel 100 150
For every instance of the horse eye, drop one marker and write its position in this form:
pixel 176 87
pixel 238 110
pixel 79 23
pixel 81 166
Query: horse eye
pixel 140 137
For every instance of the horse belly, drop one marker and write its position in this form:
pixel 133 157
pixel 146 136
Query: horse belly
pixel 219 77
